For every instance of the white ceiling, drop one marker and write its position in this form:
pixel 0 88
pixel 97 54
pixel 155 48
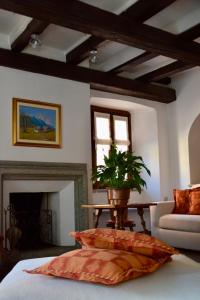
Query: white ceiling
pixel 179 16
pixel 115 6
pixel 10 21
pixel 57 41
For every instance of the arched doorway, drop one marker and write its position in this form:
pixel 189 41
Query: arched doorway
pixel 194 151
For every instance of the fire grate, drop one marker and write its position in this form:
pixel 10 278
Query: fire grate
pixel 25 229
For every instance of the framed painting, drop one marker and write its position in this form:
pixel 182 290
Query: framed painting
pixel 36 123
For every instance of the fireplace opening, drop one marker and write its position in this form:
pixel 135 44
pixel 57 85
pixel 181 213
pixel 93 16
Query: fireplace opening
pixel 30 221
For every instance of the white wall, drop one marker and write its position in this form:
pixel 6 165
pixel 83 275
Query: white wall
pixel 145 143
pixel 74 99
pixel 67 224
pixel 181 115
pixel 63 214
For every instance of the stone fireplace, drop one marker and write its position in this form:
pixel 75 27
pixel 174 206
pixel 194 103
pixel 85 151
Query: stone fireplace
pixel 62 188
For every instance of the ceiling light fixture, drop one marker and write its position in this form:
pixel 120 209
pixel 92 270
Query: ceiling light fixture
pixel 34 41
pixel 93 56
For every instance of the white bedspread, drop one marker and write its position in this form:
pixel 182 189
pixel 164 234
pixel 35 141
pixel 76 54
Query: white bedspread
pixel 179 279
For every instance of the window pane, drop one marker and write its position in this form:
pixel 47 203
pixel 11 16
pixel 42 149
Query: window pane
pixel 102 128
pixel 121 132
pixel 122 148
pixel 101 151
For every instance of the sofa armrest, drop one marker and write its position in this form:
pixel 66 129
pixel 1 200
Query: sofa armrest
pixel 157 211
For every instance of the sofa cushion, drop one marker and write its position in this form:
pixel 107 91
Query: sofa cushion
pixel 195 186
pixel 194 208
pixel 181 198
pixel 180 222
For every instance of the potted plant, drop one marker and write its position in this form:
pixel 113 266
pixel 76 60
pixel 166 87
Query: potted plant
pixel 120 174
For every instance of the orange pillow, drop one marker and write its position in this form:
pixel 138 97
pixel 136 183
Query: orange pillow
pixel 181 198
pixel 195 186
pixel 99 266
pixel 194 208
pixel 196 189
pixel 105 238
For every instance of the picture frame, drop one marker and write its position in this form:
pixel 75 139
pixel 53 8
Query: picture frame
pixel 36 123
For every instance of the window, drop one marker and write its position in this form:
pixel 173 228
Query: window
pixel 109 126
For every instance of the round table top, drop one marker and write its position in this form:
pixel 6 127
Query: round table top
pixel 111 206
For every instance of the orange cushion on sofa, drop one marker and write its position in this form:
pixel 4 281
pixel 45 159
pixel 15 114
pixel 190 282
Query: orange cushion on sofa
pixel 194 208
pixel 99 265
pixel 181 198
pixel 124 240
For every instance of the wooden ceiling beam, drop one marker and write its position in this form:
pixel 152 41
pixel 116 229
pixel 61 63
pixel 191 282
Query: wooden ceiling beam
pixel 165 81
pixel 168 70
pixel 140 59
pixel 34 27
pixel 143 10
pixel 139 12
pixel 190 34
pixel 81 52
pixel 98 80
pixel 177 66
pixel 86 18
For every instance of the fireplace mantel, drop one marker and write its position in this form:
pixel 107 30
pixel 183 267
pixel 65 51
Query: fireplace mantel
pixel 23 170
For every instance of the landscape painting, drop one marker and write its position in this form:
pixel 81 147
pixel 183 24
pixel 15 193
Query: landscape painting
pixel 36 123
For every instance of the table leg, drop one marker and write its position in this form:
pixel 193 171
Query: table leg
pixel 116 217
pixel 97 214
pixel 140 212
pixel 119 218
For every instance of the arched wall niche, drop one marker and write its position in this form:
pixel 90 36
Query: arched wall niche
pixel 194 151
pixel 144 121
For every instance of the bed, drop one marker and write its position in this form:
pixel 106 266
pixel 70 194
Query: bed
pixel 179 279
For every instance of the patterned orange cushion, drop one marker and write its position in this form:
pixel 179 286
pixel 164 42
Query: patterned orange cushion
pixel 181 198
pixel 194 208
pixel 100 266
pixel 105 238
pixel 195 186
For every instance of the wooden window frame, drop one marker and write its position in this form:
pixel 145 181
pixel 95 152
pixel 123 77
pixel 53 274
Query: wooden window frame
pixel 112 112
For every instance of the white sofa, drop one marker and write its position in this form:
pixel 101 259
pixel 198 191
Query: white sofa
pixel 178 230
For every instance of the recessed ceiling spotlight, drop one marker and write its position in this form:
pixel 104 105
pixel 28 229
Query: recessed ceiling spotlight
pixel 93 56
pixel 34 41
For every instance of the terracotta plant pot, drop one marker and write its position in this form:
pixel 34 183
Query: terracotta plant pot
pixel 118 196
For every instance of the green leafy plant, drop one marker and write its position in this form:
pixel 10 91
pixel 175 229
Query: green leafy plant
pixel 121 170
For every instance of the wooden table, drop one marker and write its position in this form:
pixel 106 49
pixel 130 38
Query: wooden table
pixel 119 212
